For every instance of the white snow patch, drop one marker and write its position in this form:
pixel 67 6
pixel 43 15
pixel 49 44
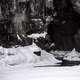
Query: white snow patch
pixel 37 35
pixel 19 37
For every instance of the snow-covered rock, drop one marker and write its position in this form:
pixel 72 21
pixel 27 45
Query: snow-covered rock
pixel 59 54
pixel 20 55
pixel 72 56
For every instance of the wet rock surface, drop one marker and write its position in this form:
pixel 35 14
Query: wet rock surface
pixel 43 43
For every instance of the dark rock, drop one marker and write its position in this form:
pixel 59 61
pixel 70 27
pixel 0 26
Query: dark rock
pixel 27 41
pixel 38 53
pixel 35 27
pixel 64 25
pixel 69 63
pixel 43 43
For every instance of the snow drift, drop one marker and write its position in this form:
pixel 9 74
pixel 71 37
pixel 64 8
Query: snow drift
pixel 19 55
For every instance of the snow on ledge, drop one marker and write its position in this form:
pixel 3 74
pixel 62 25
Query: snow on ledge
pixel 37 35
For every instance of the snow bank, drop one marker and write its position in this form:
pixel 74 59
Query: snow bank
pixel 14 56
pixel 72 56
pixel 19 55
pixel 47 59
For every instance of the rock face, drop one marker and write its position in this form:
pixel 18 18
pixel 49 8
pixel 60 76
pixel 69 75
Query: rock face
pixel 64 26
pixel 43 43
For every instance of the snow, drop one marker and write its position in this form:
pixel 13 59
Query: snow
pixel 36 19
pixel 37 35
pixel 41 73
pixel 20 55
pixel 22 64
pixel 72 56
